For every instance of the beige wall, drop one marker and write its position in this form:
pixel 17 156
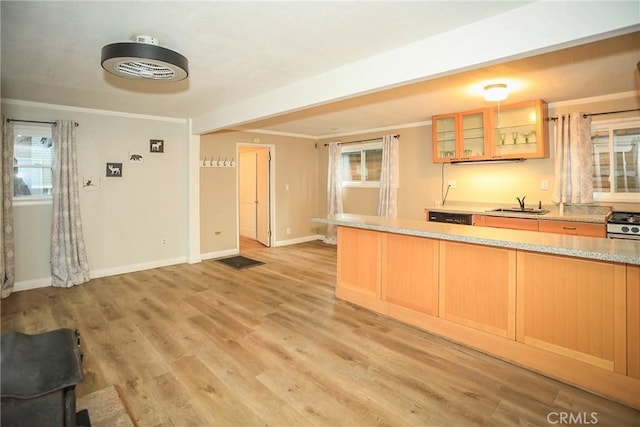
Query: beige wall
pixel 295 166
pixel 420 178
pixel 125 221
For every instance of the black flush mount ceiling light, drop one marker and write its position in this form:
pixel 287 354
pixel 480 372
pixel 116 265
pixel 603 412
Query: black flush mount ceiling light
pixel 144 60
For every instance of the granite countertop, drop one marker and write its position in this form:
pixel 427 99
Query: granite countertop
pixel 594 214
pixel 615 250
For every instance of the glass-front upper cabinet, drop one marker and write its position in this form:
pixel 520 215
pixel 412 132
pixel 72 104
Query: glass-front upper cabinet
pixel 474 133
pixel 520 131
pixel 460 136
pixel 445 137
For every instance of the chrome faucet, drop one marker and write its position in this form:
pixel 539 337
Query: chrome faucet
pixel 521 202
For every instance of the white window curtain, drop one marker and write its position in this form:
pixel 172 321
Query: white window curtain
pixel 7 260
pixel 69 264
pixel 334 190
pixel 389 177
pixel 573 162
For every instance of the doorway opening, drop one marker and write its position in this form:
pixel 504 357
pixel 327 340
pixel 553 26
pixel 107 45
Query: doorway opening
pixel 255 196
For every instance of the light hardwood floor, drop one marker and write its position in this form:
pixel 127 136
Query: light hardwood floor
pixel 205 345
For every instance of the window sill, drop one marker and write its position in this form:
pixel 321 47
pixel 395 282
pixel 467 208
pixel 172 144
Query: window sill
pixel 361 184
pixel 616 197
pixel 32 200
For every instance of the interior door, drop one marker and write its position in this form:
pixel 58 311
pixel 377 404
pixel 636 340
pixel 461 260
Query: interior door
pixel 263 196
pixel 247 194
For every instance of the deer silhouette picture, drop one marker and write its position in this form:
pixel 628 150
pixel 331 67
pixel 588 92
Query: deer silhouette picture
pixel 114 169
pixel 157 145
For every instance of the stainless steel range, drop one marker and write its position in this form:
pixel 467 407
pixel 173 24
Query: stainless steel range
pixel 624 225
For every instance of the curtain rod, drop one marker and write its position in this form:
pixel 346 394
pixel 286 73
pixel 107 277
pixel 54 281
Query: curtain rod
pixel 36 121
pixel 600 114
pixel 364 140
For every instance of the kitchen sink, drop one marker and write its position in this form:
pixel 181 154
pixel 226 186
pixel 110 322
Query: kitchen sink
pixel 518 210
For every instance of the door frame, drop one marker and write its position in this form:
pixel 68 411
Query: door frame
pixel 272 190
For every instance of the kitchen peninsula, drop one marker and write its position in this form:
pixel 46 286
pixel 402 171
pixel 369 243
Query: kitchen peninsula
pixel 564 306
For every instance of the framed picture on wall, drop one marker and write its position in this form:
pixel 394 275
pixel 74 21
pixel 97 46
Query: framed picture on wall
pixel 91 183
pixel 156 145
pixel 114 170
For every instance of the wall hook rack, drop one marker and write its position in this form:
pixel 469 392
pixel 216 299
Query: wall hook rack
pixel 220 162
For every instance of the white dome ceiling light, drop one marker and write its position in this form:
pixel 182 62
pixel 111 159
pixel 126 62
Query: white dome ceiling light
pixel 144 59
pixel 495 92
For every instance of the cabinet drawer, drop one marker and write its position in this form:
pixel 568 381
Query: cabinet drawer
pixel 573 228
pixel 513 223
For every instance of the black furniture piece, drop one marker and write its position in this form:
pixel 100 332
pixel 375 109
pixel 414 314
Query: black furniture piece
pixel 39 376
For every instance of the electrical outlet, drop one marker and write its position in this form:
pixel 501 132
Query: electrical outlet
pixel 544 185
pixel 288 230
pixel 164 242
pixel 452 183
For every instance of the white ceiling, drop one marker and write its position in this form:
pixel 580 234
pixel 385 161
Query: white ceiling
pixel 239 51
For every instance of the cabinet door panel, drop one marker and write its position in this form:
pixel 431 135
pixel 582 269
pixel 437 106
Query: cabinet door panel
pixel 410 272
pixel 477 287
pixel 474 131
pixel 359 260
pixel 574 307
pixel 520 131
pixel 633 320
pixel 445 138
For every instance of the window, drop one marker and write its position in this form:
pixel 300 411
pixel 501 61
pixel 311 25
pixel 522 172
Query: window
pixel 32 161
pixel 616 163
pixel 361 164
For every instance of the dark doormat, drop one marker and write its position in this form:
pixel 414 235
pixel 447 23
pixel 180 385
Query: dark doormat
pixel 239 262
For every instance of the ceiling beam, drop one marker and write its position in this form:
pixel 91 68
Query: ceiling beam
pixel 531 29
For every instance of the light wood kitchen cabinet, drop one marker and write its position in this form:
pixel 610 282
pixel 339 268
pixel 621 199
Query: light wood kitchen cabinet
pixel 358 273
pixel 461 136
pixel 484 301
pixel 510 222
pixel 410 272
pixel 377 269
pixel 513 131
pixel 520 130
pixel 573 307
pixel 573 228
pixel 633 321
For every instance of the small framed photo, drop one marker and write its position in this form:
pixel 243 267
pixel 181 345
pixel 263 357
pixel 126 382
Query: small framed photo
pixel 90 183
pixel 136 158
pixel 156 145
pixel 114 170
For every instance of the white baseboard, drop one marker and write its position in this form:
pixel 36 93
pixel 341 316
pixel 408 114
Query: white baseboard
pixel 220 254
pixel 26 285
pixel 136 267
pixel 44 282
pixel 297 240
